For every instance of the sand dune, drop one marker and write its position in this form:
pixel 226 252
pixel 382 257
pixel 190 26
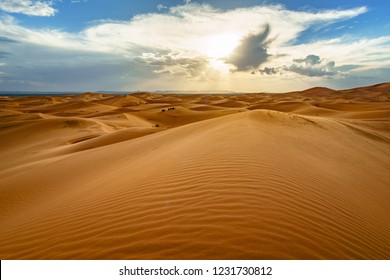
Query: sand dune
pixel 302 175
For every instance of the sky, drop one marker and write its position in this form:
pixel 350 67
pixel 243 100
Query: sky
pixel 192 45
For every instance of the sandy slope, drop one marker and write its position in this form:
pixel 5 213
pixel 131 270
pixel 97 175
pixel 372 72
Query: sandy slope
pixel 293 176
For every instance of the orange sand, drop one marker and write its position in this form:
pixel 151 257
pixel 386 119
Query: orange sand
pixel 302 175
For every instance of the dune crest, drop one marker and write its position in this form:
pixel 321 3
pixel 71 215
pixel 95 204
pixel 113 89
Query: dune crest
pixel 254 176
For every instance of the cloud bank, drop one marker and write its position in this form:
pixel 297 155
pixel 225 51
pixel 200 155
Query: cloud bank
pixel 191 45
pixel 312 66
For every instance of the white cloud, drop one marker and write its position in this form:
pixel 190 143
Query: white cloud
pixel 28 7
pixel 161 7
pixel 11 29
pixel 196 68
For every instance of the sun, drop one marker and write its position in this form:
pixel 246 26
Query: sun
pixel 221 45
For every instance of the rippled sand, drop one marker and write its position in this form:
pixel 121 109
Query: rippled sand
pixel 302 175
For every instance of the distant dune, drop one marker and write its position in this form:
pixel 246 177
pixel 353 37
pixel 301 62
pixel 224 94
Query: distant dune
pixel 300 175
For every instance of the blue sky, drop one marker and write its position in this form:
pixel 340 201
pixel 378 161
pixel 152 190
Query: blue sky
pixel 248 45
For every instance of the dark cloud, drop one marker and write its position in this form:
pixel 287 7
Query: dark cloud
pixel 309 60
pixel 7 40
pixel 347 67
pixel 252 51
pixel 268 71
pixel 3 42
pixel 311 71
pixel 312 66
pixel 4 54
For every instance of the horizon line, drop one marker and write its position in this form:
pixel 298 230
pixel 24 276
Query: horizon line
pixel 35 92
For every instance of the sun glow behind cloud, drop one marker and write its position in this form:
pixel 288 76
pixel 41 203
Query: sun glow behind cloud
pixel 218 48
pixel 221 45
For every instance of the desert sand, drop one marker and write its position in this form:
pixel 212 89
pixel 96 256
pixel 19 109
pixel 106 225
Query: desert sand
pixel 300 175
